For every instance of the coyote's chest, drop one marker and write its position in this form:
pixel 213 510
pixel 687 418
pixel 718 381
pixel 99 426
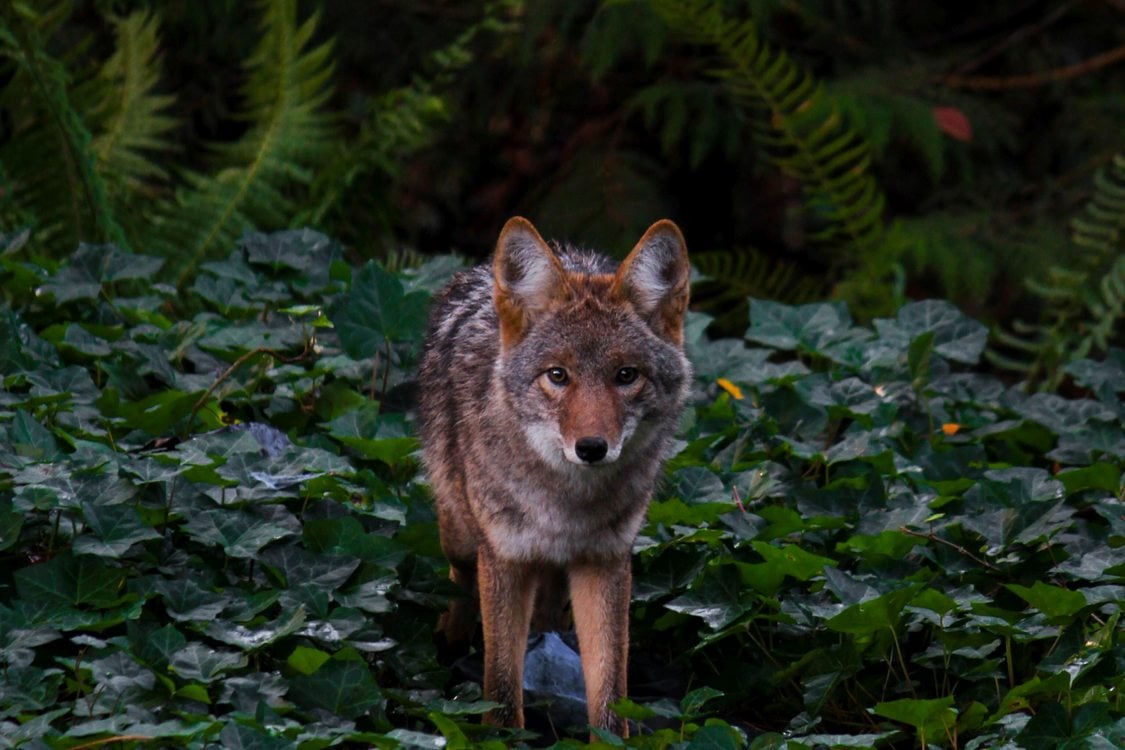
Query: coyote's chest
pixel 554 520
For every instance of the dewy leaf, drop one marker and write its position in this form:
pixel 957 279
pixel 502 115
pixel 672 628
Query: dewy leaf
pixel 813 327
pixel 872 615
pixel 31 439
pixel 238 532
pixel 1063 415
pixel 304 250
pixel 70 579
pixel 113 529
pixel 1054 601
pixel 934 719
pixel 955 335
pixel 343 685
pixel 375 309
pixel 1050 728
pixel 195 661
pixel 719 600
pixel 238 736
pixel 11 522
pixel 252 639
pixel 298 566
pixel 1109 375
pixel 186 601
pixel 91 266
pixel 789 560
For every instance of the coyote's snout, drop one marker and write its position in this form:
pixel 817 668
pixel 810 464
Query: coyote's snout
pixel 551 386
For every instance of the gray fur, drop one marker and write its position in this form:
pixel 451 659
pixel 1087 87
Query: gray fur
pixel 480 407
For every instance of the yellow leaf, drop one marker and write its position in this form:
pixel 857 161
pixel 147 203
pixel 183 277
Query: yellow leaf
pixel 950 428
pixel 731 388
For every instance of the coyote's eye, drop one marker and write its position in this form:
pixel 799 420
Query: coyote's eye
pixel 626 376
pixel 558 376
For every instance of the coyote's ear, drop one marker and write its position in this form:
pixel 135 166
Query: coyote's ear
pixel 655 279
pixel 527 277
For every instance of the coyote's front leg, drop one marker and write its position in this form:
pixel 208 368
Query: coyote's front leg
pixel 599 594
pixel 507 593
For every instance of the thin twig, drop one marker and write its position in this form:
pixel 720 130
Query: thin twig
pixel 115 738
pixel 1016 36
pixel 934 538
pixel 1035 80
pixel 231 370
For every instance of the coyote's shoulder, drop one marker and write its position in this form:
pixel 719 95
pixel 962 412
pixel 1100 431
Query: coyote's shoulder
pixel 550 389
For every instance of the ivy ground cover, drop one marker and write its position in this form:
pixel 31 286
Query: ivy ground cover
pixel 214 531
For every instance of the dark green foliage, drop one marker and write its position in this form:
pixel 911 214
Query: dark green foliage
pixel 733 277
pixel 1084 301
pixel 72 197
pixel 211 513
pixel 91 152
pixel 803 132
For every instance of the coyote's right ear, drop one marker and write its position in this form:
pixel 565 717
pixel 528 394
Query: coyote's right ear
pixel 527 278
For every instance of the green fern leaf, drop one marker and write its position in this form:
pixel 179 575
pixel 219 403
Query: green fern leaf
pixel 254 177
pixel 66 197
pixel 398 124
pixel 128 117
pixel 1084 303
pixel 731 277
pixel 805 135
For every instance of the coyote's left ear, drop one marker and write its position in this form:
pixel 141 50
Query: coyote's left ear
pixel 655 278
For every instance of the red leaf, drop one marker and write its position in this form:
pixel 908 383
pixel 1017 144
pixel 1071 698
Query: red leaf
pixel 953 123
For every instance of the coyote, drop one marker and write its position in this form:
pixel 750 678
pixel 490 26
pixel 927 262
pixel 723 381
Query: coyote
pixel 551 386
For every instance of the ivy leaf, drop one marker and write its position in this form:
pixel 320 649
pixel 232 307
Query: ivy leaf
pixel 376 309
pixel 113 529
pixel 239 533
pixel 719 599
pixel 31 439
pixel 934 719
pixel 1059 604
pixel 789 560
pixel 343 685
pixel 205 664
pixel 715 736
pixel 298 567
pixel 1108 375
pixel 1090 726
pixel 71 579
pixel 186 601
pixel 304 250
pixel 813 327
pixel 955 335
pixel 239 736
pixel 255 638
pixel 1063 415
pixel 11 522
pixel 307 660
pixel 872 615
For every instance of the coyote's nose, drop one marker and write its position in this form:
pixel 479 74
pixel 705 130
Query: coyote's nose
pixel 591 449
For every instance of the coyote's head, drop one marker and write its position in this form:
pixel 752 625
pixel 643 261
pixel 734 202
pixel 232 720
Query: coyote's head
pixel 591 354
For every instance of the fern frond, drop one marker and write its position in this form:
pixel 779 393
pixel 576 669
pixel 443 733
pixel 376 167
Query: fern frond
pixel 1100 228
pixel 733 276
pixel 1084 304
pixel 397 124
pixel 254 178
pixel 128 116
pixel 693 113
pixel 130 121
pixel 803 130
pixel 67 196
